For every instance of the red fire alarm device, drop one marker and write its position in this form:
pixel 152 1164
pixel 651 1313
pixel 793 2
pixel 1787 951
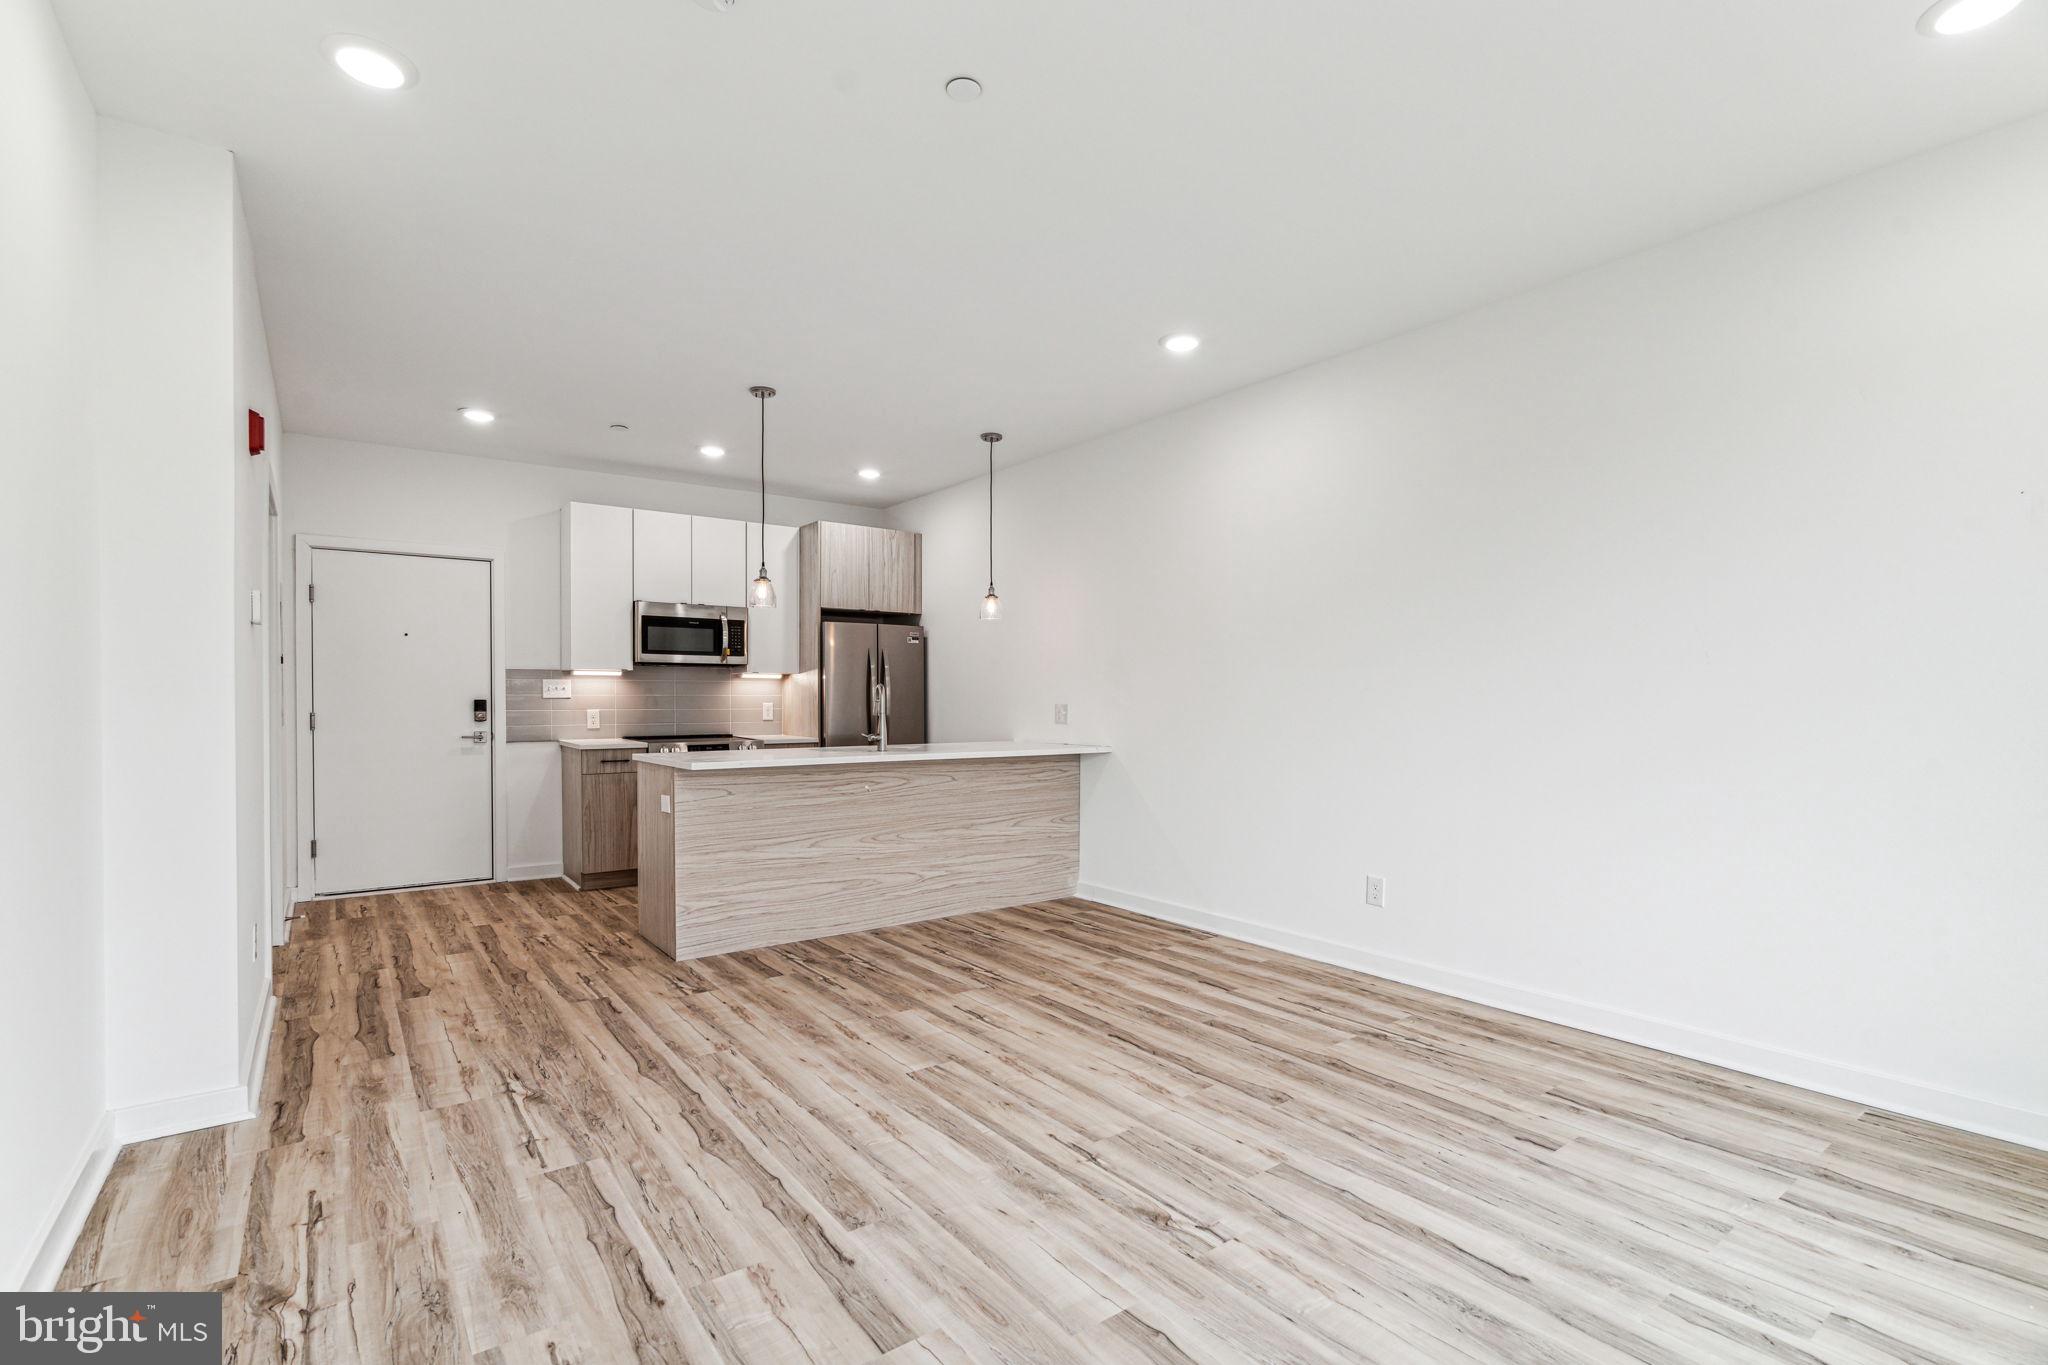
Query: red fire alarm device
pixel 255 432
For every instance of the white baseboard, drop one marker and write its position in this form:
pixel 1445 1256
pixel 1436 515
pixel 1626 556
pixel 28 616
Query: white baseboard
pixel 66 1217
pixel 256 1056
pixel 139 1123
pixel 181 1114
pixel 1900 1095
pixel 532 872
pixel 208 1108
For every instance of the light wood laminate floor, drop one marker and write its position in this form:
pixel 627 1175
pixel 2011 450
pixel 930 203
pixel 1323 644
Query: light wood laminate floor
pixel 497 1125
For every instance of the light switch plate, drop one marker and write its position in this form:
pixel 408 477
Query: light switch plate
pixel 665 807
pixel 1059 713
pixel 767 710
pixel 590 721
pixel 555 687
pixel 255 606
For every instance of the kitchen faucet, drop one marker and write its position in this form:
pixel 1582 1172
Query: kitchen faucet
pixel 878 704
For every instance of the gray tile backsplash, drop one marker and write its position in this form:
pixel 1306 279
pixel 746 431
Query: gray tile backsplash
pixel 652 699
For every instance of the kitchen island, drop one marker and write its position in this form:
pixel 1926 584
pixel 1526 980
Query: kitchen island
pixel 747 849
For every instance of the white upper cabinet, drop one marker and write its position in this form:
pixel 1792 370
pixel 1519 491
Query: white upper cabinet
pixel 597 586
pixel 718 562
pixel 662 553
pixel 772 631
pixel 613 557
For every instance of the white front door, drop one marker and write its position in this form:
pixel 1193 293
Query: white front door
pixel 401 784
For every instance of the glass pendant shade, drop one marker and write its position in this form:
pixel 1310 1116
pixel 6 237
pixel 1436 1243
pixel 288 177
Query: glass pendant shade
pixel 762 594
pixel 991 606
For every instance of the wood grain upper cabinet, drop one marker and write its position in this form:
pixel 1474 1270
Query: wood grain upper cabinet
pixel 840 567
pixel 772 632
pixel 718 562
pixel 663 554
pixel 597 586
pixel 895 578
pixel 866 568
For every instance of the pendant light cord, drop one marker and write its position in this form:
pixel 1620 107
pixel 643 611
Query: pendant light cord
pixel 991 513
pixel 764 485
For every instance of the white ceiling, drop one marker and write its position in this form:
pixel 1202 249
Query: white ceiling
pixel 597 211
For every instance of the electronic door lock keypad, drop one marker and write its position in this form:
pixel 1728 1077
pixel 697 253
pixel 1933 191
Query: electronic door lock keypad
pixel 480 709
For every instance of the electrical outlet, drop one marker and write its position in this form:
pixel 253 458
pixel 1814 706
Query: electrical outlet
pixel 555 687
pixel 1059 713
pixel 767 710
pixel 253 942
pixel 590 721
pixel 1376 892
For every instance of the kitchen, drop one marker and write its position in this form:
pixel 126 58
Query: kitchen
pixel 654 635
pixel 731 832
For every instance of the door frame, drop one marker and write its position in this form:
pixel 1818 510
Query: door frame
pixel 303 546
pixel 279 756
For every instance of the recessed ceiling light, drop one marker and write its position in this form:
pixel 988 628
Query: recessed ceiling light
pixel 483 417
pixel 1180 343
pixel 1947 18
pixel 371 63
pixel 871 474
pixel 712 452
pixel 963 89
pixel 620 426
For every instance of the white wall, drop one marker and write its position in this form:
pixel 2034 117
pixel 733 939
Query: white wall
pixel 165 444
pixel 1673 639
pixel 51 993
pixel 508 509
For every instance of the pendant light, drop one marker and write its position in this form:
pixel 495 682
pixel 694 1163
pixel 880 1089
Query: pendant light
pixel 762 593
pixel 991 605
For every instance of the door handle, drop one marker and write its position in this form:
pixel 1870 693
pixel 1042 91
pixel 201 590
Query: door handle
pixel 477 736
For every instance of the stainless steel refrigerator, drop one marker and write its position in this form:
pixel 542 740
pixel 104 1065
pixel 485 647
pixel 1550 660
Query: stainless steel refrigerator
pixel 857 655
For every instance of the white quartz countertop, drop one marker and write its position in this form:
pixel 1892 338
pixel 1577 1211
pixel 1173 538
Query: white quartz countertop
pixel 716 761
pixel 763 740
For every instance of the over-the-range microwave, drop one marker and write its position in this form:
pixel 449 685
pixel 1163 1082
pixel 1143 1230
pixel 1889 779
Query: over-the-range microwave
pixel 685 633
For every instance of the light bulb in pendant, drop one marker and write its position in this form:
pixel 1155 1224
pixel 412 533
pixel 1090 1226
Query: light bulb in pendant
pixel 991 605
pixel 762 594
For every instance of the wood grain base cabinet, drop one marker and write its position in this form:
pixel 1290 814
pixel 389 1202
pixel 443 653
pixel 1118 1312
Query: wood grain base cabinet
pixel 752 858
pixel 658 837
pixel 600 832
